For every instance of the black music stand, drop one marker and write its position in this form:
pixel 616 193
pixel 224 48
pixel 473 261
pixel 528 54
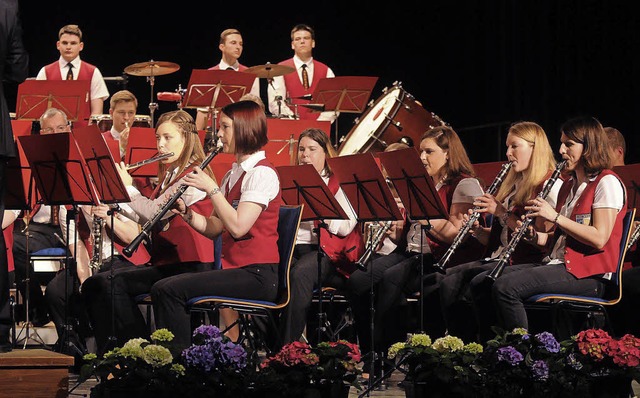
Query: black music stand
pixel 111 190
pixel 62 178
pixel 347 94
pixel 215 88
pixel 21 194
pixel 371 199
pixel 303 185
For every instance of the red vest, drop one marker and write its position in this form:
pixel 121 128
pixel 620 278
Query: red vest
pixel 295 88
pixel 523 253
pixel 471 249
pixel 174 241
pixel 260 244
pixel 583 260
pixel 52 72
pixel 113 145
pixel 343 251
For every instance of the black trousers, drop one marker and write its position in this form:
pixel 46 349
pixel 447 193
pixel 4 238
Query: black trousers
pixel 41 236
pixel 128 283
pixel 5 313
pixel 66 305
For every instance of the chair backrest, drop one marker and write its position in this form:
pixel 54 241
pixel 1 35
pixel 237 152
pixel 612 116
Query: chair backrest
pixel 627 229
pixel 288 224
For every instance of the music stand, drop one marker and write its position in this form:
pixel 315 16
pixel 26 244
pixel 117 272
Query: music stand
pixel 70 96
pixel 302 184
pixel 347 94
pixel 21 194
pixel 141 146
pixel 371 199
pixel 110 187
pixel 62 178
pixel 215 88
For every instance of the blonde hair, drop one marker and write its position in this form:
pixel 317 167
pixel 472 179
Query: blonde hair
pixel 122 96
pixel 541 164
pixel 70 30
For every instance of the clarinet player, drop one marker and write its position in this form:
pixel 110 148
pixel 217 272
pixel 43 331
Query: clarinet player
pixel 584 246
pixel 532 164
pixel 175 248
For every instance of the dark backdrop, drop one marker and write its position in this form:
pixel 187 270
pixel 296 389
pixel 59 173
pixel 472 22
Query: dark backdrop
pixel 479 65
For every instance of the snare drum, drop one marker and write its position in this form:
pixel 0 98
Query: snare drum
pixel 105 122
pixel 394 115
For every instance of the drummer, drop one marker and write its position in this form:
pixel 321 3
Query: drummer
pixel 122 109
pixel 231 46
pixel 70 67
pixel 292 86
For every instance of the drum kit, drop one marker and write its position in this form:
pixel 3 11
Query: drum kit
pixel 396 116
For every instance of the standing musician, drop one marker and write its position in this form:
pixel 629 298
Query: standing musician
pixel 336 238
pixel 175 248
pixel 585 242
pixel 231 46
pixel 447 163
pixel 246 208
pixel 532 163
pixel 70 67
pixel 303 82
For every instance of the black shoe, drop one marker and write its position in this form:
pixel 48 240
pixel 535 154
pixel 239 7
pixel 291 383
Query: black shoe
pixel 39 319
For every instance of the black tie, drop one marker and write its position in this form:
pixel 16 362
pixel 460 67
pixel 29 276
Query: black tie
pixel 305 77
pixel 70 72
pixel 230 68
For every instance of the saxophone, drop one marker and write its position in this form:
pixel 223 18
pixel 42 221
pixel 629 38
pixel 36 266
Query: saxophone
pixel 96 236
pixel 633 238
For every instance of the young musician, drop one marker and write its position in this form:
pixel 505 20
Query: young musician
pixel 447 163
pixel 175 248
pixel 246 208
pixel 338 236
pixel 584 246
pixel 532 163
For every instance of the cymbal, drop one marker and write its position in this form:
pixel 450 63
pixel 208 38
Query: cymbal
pixel 269 70
pixel 151 68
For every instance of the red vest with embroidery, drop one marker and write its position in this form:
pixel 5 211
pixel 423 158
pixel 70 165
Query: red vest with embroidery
pixel 343 251
pixel 260 244
pixel 174 241
pixel 583 260
pixel 295 88
pixel 471 249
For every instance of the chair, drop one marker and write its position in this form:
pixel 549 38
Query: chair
pixel 249 310
pixel 590 306
pixel 144 300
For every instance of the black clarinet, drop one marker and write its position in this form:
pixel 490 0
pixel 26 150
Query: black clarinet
pixel 145 234
pixel 464 230
pixel 506 254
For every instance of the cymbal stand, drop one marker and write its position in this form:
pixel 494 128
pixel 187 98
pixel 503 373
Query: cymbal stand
pixel 152 105
pixel 210 135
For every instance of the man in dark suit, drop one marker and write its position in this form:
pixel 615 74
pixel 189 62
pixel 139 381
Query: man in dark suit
pixel 14 68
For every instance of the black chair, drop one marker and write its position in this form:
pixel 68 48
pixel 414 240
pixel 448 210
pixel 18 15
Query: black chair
pixel 248 310
pixel 563 305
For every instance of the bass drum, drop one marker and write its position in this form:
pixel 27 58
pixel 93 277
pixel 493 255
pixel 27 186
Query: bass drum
pixel 394 115
pixel 105 122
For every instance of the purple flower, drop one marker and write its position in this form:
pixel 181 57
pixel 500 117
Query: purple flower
pixel 509 355
pixel 209 332
pixel 540 370
pixel 549 342
pixel 199 356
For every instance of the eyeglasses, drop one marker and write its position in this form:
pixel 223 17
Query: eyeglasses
pixel 58 129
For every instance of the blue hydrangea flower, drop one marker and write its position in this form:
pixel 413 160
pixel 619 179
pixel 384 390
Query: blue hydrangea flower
pixel 509 355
